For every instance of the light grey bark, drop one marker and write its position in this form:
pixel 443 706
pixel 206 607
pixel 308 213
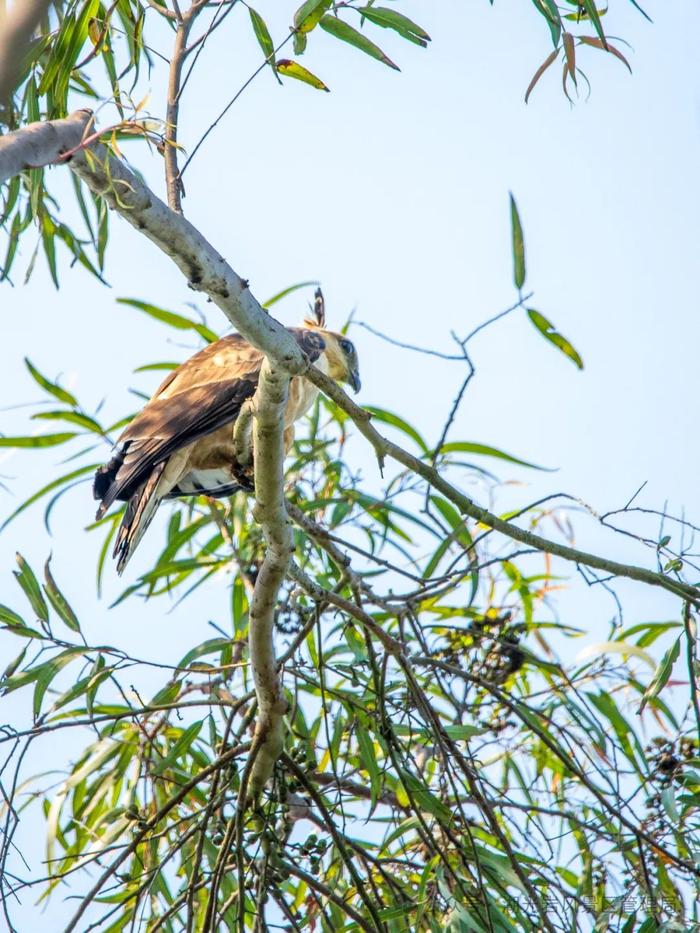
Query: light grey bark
pixel 269 407
pixel 40 144
pixel 205 269
pixel 16 28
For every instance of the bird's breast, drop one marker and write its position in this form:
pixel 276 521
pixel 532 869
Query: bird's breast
pixel 302 394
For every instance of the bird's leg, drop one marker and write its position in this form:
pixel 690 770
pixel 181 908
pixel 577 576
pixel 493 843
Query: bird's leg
pixel 242 465
pixel 243 435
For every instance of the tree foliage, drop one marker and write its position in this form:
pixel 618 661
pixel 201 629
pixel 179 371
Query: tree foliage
pixel 446 764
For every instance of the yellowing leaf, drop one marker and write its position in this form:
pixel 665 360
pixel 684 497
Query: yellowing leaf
pixel 291 69
pixel 549 332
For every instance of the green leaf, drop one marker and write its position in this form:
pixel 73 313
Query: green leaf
pixel 456 521
pixel 343 31
pixel 41 440
pixel 14 664
pixel 590 8
pixel 262 34
pixel 390 19
pixel 662 674
pixel 388 417
pixel 291 69
pixel 518 245
pixel 485 450
pixel 287 291
pixel 309 14
pixel 72 417
pixel 11 618
pixel 178 321
pixel 549 332
pixel 50 387
pixel 424 798
pixel 54 484
pixel 156 367
pixel 180 748
pixel 29 583
pixel 43 675
pixel 369 762
pixel 48 233
pixel 58 600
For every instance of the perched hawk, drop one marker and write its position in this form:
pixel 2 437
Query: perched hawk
pixel 182 442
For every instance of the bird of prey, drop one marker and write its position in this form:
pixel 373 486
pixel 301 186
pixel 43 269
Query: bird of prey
pixel 182 442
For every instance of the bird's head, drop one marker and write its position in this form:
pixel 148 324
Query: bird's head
pixel 343 365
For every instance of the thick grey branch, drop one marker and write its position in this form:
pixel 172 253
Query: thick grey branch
pixel 270 404
pixel 40 144
pixel 204 268
pixel 16 28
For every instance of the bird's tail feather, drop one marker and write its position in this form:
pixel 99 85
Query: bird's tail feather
pixel 140 509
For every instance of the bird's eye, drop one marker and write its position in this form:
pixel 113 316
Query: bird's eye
pixel 346 346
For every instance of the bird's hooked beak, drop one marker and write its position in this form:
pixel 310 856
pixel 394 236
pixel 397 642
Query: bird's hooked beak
pixel 354 378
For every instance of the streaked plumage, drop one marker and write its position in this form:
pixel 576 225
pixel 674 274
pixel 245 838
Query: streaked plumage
pixel 182 442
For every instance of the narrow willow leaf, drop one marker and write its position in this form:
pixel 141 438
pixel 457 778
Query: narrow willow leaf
pixel 549 60
pixel 662 675
pixel 308 15
pixel 518 243
pixel 29 583
pixel 391 19
pixel 615 647
pixel 14 664
pixel 590 8
pixel 58 600
pixel 424 798
pixel 549 332
pixel 262 34
pixel 287 291
pixel 180 748
pixel 52 387
pixel 40 440
pixel 550 12
pixel 596 43
pixel 342 30
pixel 388 417
pixel 570 54
pixel 369 763
pixel 46 673
pixel 178 321
pixel 291 69
pixel 485 450
pixel 637 7
pixel 72 417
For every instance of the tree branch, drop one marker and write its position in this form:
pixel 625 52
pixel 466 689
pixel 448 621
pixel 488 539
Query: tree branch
pixel 16 28
pixel 39 144
pixel 172 175
pixel 268 439
pixel 385 448
pixel 205 269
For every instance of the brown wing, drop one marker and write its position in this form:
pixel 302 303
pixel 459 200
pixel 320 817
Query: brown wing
pixel 203 394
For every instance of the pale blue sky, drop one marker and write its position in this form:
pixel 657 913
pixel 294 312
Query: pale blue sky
pixel 393 191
